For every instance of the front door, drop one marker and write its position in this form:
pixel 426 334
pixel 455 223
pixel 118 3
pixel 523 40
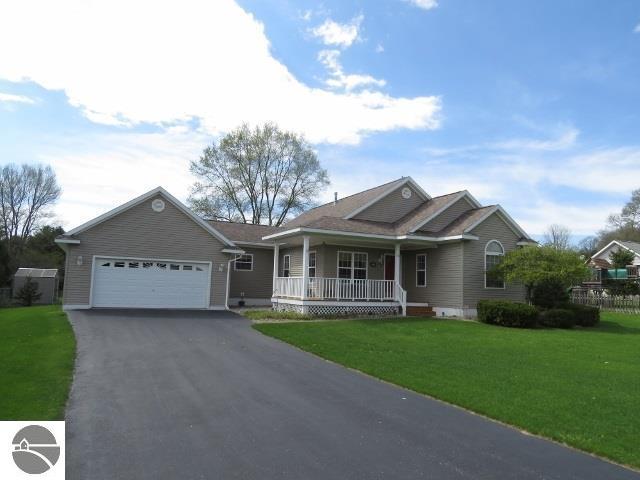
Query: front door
pixel 389 267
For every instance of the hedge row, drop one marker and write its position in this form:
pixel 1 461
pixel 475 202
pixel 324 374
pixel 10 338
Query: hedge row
pixel 521 315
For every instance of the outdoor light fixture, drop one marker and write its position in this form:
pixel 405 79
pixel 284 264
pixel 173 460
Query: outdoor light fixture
pixel 79 260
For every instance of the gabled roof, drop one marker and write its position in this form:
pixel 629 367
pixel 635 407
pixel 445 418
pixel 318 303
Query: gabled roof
pixel 37 272
pixel 351 205
pixel 631 246
pixel 68 236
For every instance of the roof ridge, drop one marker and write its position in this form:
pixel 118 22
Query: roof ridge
pixel 354 194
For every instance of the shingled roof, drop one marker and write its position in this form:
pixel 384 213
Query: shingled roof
pixel 244 232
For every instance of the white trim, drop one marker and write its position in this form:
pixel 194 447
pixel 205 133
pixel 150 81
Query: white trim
pixel 235 263
pixel 524 243
pixel 353 253
pixel 141 259
pixel 334 303
pixel 297 230
pixel 233 250
pixel 617 243
pixel 258 302
pixel 73 306
pixel 504 284
pixel 73 241
pixel 425 270
pixel 456 199
pixel 254 244
pixel 418 304
pixel 510 222
pixel 132 203
pixel 387 192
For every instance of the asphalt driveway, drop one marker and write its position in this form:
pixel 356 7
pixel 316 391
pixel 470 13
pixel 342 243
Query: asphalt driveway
pixel 200 395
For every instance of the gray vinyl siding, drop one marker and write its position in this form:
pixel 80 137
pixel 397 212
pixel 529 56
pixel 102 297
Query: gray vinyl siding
pixel 493 228
pixel 448 216
pixel 46 286
pixel 444 276
pixel 391 208
pixel 144 233
pixel 256 283
pixel 295 265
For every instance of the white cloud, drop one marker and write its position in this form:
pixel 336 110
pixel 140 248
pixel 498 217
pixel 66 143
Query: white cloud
pixel 379 48
pixel 637 29
pixel 424 4
pixel 100 172
pixel 338 34
pixel 190 59
pixel 565 139
pixel 10 98
pixel 331 60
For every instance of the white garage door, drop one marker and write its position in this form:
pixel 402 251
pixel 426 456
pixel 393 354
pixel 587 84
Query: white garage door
pixel 150 284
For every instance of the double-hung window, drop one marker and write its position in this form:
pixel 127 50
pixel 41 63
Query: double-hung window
pixel 244 262
pixel 352 265
pixel 286 265
pixel 312 264
pixel 421 270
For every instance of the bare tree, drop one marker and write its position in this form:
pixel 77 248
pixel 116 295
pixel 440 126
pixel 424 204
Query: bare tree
pixel 257 176
pixel 558 237
pixel 26 192
pixel 588 246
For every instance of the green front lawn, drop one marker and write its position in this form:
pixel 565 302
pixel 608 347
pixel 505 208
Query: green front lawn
pixel 580 387
pixel 37 348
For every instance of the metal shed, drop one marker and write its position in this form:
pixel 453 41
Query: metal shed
pixel 46 278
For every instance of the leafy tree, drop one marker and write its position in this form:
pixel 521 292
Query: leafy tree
pixel 26 192
pixel 621 258
pixel 533 265
pixel 257 176
pixel 28 293
pixel 558 236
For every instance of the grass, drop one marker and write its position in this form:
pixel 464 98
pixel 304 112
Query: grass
pixel 580 387
pixel 37 348
pixel 269 314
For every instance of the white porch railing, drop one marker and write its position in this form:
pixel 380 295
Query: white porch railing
pixel 320 288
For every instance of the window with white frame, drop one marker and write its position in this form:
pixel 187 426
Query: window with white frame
pixel 312 264
pixel 421 270
pixel 286 265
pixel 352 265
pixel 493 254
pixel 244 262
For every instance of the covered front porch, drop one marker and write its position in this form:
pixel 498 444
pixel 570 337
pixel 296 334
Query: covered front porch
pixel 328 274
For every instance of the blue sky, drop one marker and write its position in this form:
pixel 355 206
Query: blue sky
pixel 532 104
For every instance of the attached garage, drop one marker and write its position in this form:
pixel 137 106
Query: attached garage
pixel 150 283
pixel 151 252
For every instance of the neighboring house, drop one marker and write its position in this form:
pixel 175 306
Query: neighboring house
pixel 602 268
pixel 46 279
pixel 387 249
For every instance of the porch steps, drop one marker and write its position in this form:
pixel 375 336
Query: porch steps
pixel 420 311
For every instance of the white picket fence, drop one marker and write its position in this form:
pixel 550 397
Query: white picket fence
pixel 617 303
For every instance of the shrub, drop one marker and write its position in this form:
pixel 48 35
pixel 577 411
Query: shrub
pixel 557 318
pixel 507 314
pixel 622 287
pixel 28 293
pixel 584 315
pixel 549 293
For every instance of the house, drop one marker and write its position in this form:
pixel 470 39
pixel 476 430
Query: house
pixel 389 249
pixel 602 268
pixel 46 279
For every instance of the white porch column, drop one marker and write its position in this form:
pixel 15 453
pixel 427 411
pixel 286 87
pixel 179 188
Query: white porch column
pixel 276 257
pixel 396 273
pixel 305 265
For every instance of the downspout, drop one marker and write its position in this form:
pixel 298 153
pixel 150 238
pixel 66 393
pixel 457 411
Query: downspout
pixel 226 296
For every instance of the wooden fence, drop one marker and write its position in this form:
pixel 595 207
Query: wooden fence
pixel 617 303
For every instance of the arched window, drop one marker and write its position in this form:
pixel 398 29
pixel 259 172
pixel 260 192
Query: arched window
pixel 493 253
